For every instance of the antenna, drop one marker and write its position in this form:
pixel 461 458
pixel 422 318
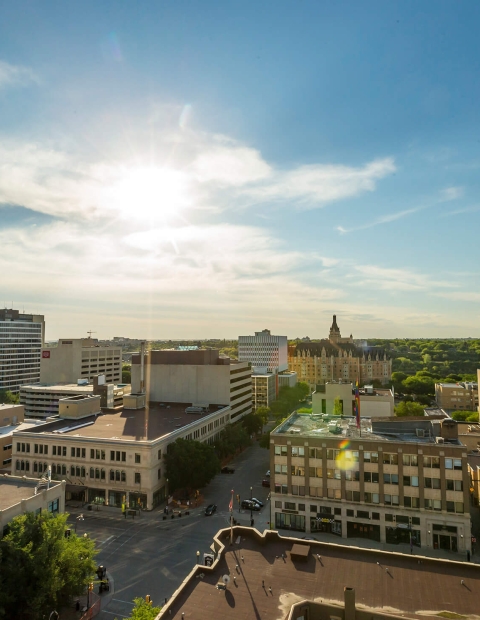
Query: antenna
pixel 90 333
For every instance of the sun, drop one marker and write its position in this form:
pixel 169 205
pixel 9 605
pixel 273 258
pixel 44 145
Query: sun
pixel 154 193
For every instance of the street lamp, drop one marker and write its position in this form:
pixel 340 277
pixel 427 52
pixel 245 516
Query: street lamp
pixel 79 518
pixel 198 557
pixel 251 506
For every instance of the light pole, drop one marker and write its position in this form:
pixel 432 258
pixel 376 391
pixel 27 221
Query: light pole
pixel 251 506
pixel 198 557
pixel 79 518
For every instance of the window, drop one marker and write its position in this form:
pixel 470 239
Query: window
pixel 433 504
pixel 363 514
pixel 350 513
pixel 376 516
pixel 448 463
pixel 53 506
pixel 159 474
pixel 335 494
pixel 112 475
pixel 159 454
pixel 390 458
pixel 313 508
pixel 281 450
pixel 432 483
pixel 390 478
pixel 290 506
pixel 457 464
pixel 390 500
pixel 389 518
pixel 352 475
pixel 137 458
pixel 72 451
pixel 301 507
pixel 278 504
pixel 431 461
pixel 138 478
pixel 411 502
pixel 352 496
pixel 337 511
pixel 296 470
pixel 370 476
pixel 410 460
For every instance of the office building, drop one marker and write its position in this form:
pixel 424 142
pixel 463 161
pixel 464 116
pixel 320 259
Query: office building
pixel 461 396
pixel 265 353
pixel 67 361
pixel 264 389
pixel 391 480
pixel 199 376
pixel 338 359
pixel 42 400
pixel 21 340
pixel 11 419
pixel 373 402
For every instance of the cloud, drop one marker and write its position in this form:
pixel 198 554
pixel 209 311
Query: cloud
pixel 231 165
pixel 462 211
pixel 385 219
pixel 461 296
pixel 398 279
pixel 315 185
pixel 451 193
pixel 15 75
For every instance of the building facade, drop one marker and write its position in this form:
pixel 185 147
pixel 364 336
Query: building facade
pixel 266 353
pixel 373 402
pixel 461 396
pixel 21 340
pixel 200 377
pixel 338 359
pixel 394 480
pixel 67 361
pixel 20 494
pixel 264 390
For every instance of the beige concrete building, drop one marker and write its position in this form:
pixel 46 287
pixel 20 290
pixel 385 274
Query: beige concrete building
pixel 373 402
pixel 199 377
pixel 392 480
pixel 19 494
pixel 21 339
pixel 338 359
pixel 67 361
pixel 457 396
pixel 288 379
pixel 264 389
pixel 11 419
pixel 42 400
pixel 116 457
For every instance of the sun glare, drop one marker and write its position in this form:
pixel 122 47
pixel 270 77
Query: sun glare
pixel 158 194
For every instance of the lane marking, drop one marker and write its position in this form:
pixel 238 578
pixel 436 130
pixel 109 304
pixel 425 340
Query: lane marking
pixel 102 542
pixel 127 602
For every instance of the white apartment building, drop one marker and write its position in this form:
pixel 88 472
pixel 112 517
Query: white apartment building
pixel 66 361
pixel 266 353
pixel 21 340
pixel 373 402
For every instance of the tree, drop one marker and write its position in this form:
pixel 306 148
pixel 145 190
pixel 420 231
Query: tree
pixel 9 398
pixel 409 408
pixel 264 441
pixel 253 423
pixel 190 464
pixel 144 610
pixel 126 373
pixel 465 416
pixel 264 413
pixel 397 379
pixel 337 406
pixel 40 568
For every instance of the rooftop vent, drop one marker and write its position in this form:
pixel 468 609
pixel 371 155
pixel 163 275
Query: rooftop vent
pixel 420 432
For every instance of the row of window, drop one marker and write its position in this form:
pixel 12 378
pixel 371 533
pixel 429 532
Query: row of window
pixel 372 498
pixel 409 460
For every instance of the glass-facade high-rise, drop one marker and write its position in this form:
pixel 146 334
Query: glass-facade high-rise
pixel 21 341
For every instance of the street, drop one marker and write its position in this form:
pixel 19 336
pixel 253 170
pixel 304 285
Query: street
pixel 149 555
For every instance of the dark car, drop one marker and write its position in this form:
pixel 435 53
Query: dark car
pixel 249 505
pixel 227 470
pixel 257 501
pixel 209 510
pixel 266 483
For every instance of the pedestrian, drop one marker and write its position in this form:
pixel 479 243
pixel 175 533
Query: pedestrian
pixel 468 556
pixel 252 522
pixel 411 546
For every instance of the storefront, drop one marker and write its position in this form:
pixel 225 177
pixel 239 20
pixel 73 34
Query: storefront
pixel 290 521
pixel 445 537
pixel 402 534
pixel 363 530
pixel 137 501
pixel 75 493
pixel 116 498
pixel 324 522
pixel 97 496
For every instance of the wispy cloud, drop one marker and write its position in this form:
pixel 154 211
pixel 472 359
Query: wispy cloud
pixel 451 193
pixel 15 75
pixel 385 219
pixel 473 209
pixel 461 296
pixel 399 279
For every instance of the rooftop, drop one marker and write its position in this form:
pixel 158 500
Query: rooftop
pixel 23 426
pixel 268 581
pixel 129 425
pixel 373 429
pixel 14 489
pixel 58 387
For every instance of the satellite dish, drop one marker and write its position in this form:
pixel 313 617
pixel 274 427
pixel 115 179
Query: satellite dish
pixel 226 579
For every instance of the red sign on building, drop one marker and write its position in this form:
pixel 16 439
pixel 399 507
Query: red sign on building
pixel 45 353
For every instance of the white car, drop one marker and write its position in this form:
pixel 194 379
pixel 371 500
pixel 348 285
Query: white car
pixel 257 501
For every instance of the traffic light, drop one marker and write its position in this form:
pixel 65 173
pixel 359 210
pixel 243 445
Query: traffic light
pixel 148 599
pixel 238 497
pixel 90 586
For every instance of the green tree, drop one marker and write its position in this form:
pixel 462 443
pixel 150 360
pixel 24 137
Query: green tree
pixel 190 464
pixel 143 610
pixel 9 398
pixel 126 373
pixel 465 416
pixel 263 413
pixel 337 406
pixel 264 441
pixel 253 423
pixel 409 408
pixel 41 569
pixel 419 385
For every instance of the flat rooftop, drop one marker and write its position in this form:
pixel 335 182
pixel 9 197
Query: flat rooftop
pixel 23 426
pixel 342 427
pixel 59 387
pixel 129 424
pixel 413 586
pixel 14 489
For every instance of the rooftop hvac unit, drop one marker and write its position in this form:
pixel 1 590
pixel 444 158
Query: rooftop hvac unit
pixel 439 440
pixel 420 432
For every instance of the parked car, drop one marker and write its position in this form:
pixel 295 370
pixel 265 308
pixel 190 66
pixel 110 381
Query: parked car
pixel 257 501
pixel 209 510
pixel 266 482
pixel 227 470
pixel 250 505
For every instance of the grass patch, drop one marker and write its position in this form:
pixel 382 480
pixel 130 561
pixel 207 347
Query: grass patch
pixel 451 614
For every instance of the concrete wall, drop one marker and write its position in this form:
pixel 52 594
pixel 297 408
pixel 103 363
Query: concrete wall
pixel 78 407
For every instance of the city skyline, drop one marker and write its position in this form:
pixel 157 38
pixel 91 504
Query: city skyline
pixel 184 171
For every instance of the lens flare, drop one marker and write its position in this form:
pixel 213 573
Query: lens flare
pixel 344 459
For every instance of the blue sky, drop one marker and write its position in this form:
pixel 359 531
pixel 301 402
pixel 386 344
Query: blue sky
pixel 208 169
